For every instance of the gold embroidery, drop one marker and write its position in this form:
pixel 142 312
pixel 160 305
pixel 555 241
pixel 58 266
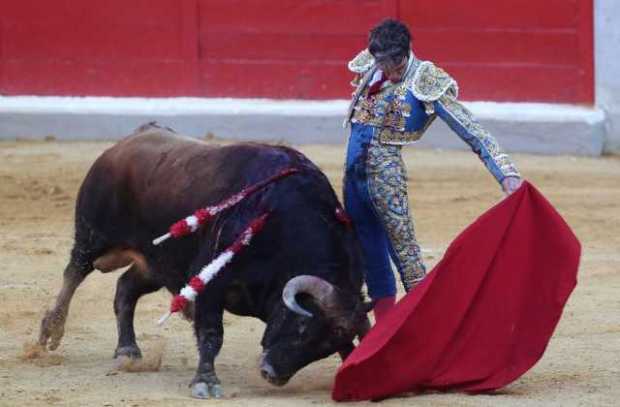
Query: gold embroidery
pixel 387 182
pixel 362 62
pixel 388 108
pixel 430 82
pixel 465 118
pixel 389 136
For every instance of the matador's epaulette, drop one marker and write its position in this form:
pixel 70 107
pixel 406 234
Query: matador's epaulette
pixel 429 83
pixel 362 62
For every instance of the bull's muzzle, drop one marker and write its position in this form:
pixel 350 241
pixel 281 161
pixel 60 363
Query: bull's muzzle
pixel 268 372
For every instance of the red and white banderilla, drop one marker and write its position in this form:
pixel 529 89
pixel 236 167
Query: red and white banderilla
pixel 191 223
pixel 197 283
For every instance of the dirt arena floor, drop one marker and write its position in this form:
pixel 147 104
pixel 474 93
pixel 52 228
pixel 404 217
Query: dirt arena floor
pixel 38 186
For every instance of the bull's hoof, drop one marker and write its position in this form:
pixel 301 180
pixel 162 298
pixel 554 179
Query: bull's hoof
pixel 52 329
pixel 202 390
pixel 130 351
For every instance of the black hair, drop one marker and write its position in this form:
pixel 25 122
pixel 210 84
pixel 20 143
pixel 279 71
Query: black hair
pixel 390 39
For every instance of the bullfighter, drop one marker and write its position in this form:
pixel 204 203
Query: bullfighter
pixel 397 97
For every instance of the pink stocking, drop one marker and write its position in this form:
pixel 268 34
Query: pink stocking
pixel 383 306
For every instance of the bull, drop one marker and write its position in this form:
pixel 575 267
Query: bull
pixel 301 275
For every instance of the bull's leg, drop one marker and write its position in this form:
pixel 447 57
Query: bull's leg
pixel 133 284
pixel 87 245
pixel 210 335
pixel 53 323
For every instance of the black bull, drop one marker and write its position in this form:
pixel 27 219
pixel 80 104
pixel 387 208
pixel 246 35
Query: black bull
pixel 304 262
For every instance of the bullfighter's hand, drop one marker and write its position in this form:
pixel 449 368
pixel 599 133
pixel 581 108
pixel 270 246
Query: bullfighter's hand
pixel 511 184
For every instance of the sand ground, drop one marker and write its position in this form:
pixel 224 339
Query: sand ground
pixel 38 186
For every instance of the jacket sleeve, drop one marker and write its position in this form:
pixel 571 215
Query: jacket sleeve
pixel 439 92
pixel 463 123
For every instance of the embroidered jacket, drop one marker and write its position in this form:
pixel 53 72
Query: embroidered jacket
pixel 402 112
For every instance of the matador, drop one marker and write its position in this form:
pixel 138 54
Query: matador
pixel 397 97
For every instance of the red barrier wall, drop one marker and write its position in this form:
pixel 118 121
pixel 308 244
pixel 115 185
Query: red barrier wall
pixel 514 50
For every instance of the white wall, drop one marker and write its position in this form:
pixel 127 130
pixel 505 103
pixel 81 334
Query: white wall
pixel 607 67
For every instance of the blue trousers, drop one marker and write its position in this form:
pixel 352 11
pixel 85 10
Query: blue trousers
pixel 375 197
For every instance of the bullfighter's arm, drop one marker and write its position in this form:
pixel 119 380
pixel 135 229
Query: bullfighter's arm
pixel 438 91
pixel 461 120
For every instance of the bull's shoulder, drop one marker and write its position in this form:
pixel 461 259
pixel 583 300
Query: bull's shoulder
pixel 152 143
pixel 153 134
pixel 149 150
pixel 152 126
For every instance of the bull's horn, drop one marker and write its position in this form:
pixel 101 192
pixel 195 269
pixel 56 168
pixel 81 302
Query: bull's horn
pixel 323 293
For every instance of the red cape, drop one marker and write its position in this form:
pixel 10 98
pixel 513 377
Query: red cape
pixel 482 317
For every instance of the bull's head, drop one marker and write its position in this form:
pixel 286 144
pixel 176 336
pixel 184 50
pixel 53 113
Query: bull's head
pixel 313 320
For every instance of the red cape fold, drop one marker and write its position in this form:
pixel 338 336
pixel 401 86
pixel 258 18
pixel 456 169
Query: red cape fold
pixel 482 317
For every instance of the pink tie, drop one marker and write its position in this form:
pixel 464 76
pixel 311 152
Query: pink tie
pixel 376 87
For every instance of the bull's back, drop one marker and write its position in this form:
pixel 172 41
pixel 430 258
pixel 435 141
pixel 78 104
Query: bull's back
pixel 154 177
